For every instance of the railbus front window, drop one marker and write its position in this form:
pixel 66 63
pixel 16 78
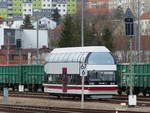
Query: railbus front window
pixel 101 78
pixel 101 58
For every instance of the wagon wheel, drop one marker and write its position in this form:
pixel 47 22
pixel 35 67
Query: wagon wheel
pixel 136 91
pixel 120 92
pixel 127 92
pixel 144 93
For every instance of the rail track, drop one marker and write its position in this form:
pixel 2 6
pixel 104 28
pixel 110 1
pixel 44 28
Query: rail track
pixel 40 109
pixel 115 99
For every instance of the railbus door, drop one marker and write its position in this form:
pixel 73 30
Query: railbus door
pixel 64 80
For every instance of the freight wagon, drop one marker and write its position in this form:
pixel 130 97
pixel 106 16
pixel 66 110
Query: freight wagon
pixel 29 76
pixel 140 75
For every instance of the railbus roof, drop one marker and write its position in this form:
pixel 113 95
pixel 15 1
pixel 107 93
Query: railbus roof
pixel 81 49
pixel 74 54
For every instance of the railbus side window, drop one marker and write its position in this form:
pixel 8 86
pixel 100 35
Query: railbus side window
pixel 54 78
pixel 74 79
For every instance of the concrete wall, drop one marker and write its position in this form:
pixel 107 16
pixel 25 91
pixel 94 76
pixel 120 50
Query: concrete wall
pixel 28 37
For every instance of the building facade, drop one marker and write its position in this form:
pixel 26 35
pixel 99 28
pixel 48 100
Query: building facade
pixel 145 24
pixel 132 4
pixel 97 3
pixel 17 9
pixel 97 6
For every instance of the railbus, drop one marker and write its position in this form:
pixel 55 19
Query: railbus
pixel 63 78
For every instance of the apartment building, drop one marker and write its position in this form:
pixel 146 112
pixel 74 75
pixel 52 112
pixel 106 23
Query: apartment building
pixel 17 9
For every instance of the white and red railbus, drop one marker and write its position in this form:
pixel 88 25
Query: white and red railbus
pixel 62 70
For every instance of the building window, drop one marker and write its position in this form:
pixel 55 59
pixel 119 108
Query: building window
pixel 54 5
pixel 25 57
pixel 11 57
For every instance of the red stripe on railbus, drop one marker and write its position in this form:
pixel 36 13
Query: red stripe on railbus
pixel 79 88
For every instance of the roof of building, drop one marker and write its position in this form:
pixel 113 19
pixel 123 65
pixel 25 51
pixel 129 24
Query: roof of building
pixel 23 51
pixel 145 15
pixel 1 19
pixel 97 10
pixel 97 0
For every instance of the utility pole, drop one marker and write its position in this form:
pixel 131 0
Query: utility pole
pixel 139 33
pixel 82 44
pixel 9 23
pixel 8 43
pixel 37 16
pixel 82 26
pixel 5 89
pixel 37 41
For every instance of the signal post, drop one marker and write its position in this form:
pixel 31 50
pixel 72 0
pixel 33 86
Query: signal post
pixel 129 32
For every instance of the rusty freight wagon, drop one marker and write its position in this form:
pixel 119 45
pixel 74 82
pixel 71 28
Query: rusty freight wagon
pixel 140 75
pixel 29 76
